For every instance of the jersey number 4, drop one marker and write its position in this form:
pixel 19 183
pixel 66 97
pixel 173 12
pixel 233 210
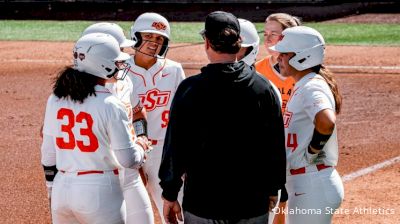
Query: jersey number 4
pixel 67 128
pixel 292 141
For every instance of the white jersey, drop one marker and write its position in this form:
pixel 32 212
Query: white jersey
pixel 311 94
pixel 156 88
pixel 123 90
pixel 85 134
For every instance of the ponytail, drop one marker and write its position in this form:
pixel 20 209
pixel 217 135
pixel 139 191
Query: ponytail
pixel 74 84
pixel 330 80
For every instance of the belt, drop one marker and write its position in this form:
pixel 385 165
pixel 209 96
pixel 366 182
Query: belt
pixel 153 142
pixel 92 172
pixel 302 170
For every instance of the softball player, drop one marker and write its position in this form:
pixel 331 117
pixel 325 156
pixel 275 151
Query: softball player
pixel 87 136
pixel 250 46
pixel 122 88
pixel 248 53
pixel 274 25
pixel 313 184
pixel 155 80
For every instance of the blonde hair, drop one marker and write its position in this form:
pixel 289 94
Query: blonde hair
pixel 284 19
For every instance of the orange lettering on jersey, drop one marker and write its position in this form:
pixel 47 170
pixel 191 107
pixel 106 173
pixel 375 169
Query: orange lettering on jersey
pixel 155 98
pixel 68 128
pixel 159 25
pixel 292 141
pixel 286 118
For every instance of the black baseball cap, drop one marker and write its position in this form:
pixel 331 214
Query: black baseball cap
pixel 217 21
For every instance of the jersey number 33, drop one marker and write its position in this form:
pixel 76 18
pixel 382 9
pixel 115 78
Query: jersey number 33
pixel 67 128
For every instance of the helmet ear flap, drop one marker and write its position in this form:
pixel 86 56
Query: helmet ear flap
pixel 164 48
pixel 308 58
pixel 138 38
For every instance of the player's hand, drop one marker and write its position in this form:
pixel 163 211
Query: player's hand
pixel 145 143
pixel 172 212
pixel 272 202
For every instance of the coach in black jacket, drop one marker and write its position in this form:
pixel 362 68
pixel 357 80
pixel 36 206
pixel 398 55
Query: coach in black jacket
pixel 225 138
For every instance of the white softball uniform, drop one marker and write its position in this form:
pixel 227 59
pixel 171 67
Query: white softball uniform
pixel 136 199
pixel 123 90
pixel 313 184
pixel 156 88
pixel 84 137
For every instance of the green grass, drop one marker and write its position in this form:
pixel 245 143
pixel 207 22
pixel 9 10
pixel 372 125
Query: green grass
pixel 184 32
pixel 359 34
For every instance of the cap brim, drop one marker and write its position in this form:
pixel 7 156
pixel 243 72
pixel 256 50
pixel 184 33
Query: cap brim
pixel 122 57
pixel 127 43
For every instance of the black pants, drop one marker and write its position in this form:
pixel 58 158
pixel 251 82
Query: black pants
pixel 193 219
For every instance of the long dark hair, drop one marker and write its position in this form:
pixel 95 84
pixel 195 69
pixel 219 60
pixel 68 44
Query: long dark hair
pixel 328 76
pixel 74 84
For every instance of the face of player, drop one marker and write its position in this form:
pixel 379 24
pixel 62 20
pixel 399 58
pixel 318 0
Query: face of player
pixel 242 53
pixel 272 34
pixel 151 44
pixel 285 68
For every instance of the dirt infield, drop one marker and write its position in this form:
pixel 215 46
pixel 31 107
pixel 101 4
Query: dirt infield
pixel 368 126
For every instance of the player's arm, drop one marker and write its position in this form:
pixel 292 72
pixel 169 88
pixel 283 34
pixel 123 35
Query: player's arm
pixel 140 121
pixel 129 151
pixel 48 160
pixel 324 126
pixel 132 157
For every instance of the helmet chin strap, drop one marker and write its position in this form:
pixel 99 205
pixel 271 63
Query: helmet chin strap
pixel 159 46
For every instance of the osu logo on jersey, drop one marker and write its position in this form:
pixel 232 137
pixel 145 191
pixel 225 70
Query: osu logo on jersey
pixel 154 98
pixel 159 25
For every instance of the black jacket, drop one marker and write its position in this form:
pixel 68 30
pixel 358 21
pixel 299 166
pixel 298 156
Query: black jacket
pixel 226 134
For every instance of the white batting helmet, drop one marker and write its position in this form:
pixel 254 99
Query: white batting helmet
pixel 151 22
pixel 97 54
pixel 306 42
pixel 110 28
pixel 250 39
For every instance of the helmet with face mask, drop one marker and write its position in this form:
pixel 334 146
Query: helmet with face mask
pixel 98 54
pixel 151 23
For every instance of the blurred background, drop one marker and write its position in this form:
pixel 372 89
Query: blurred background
pixel 188 10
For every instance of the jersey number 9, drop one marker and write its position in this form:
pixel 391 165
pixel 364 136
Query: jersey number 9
pixel 67 128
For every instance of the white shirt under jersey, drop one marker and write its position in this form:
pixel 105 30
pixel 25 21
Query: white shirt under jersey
pixel 123 90
pixel 84 134
pixel 311 94
pixel 156 88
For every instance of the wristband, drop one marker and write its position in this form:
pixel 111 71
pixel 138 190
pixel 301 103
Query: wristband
pixel 318 141
pixel 140 126
pixel 50 172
